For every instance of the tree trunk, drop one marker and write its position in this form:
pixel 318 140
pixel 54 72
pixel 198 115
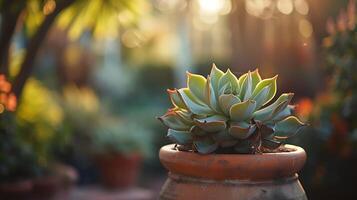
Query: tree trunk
pixel 34 45
pixel 10 15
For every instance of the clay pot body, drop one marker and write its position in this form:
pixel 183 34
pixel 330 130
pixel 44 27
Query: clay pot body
pixel 45 187
pixel 265 176
pixel 119 171
pixel 16 190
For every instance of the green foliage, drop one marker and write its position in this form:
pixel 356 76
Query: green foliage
pixel 335 111
pixel 17 159
pixel 123 138
pixel 102 17
pixel 224 111
pixel 38 122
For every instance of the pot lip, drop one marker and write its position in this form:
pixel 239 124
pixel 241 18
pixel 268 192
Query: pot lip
pixel 264 166
pixel 296 150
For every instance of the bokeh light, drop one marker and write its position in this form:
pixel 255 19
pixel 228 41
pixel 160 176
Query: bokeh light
pixel 305 28
pixel 285 6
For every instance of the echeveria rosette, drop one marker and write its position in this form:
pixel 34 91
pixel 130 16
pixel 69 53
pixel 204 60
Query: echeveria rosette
pixel 226 112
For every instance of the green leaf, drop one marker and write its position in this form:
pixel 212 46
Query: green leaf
pixel 185 116
pixel 271 83
pixel 224 139
pixel 206 145
pixel 196 83
pixel 229 77
pixel 215 75
pixel 212 124
pixel 241 130
pixel 210 96
pixel 255 78
pixel 266 131
pixel 270 144
pixel 226 89
pixel 261 97
pixel 267 112
pixel 173 121
pixel 242 111
pixel 192 103
pixel 241 79
pixel 197 131
pixel 287 127
pixel 179 137
pixel 246 87
pixel 226 101
pixel 244 147
pixel 175 99
pixel 287 111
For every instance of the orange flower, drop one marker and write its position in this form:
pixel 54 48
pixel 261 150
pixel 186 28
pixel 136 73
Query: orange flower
pixel 8 100
pixel 304 107
pixel 11 102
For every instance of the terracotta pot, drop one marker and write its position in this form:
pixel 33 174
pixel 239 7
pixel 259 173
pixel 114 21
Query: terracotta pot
pixel 16 190
pixel 119 171
pixel 46 187
pixel 232 176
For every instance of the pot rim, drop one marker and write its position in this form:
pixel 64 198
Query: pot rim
pixel 266 166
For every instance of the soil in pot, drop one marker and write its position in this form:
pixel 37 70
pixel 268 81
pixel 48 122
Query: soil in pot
pixel 118 170
pixel 264 176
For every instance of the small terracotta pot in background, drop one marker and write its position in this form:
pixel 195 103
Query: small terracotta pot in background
pixel 118 170
pixel 46 187
pixel 232 176
pixel 16 190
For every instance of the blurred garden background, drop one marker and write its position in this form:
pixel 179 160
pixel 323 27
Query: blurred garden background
pixel 82 83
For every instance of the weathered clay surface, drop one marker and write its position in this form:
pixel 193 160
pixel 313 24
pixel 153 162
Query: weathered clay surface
pixel 227 176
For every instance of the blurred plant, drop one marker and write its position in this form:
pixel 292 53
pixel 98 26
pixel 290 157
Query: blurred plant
pixel 32 132
pixel 335 113
pixel 88 120
pixel 103 18
pixel 16 158
pixel 224 111
pixel 116 136
pixel 38 120
pixel 81 106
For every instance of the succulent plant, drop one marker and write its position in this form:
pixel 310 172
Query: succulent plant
pixel 224 112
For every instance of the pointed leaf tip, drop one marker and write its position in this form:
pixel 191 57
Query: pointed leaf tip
pixel 175 99
pixel 196 83
pixel 288 127
pixel 271 83
pixel 173 121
